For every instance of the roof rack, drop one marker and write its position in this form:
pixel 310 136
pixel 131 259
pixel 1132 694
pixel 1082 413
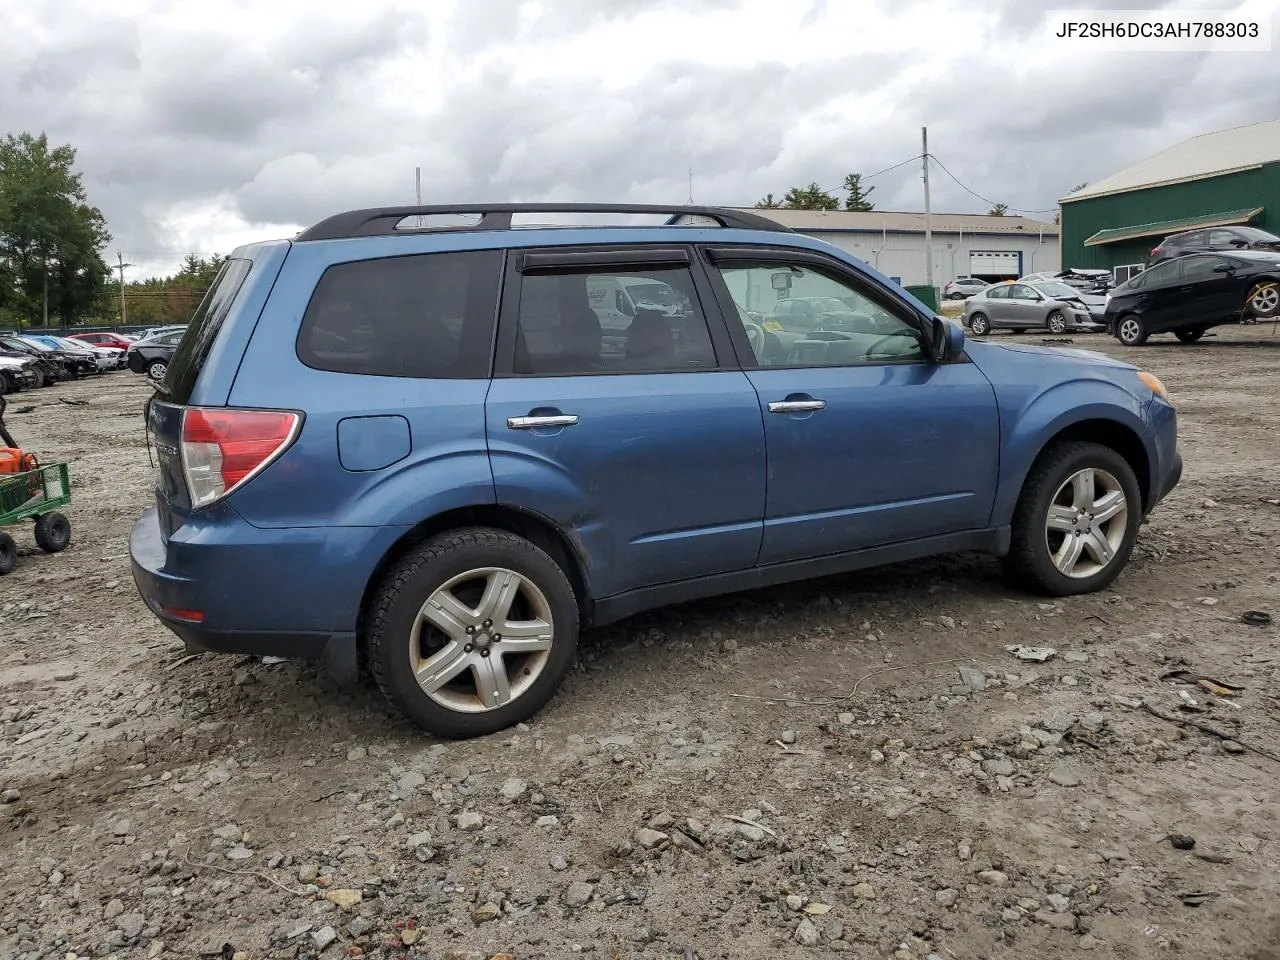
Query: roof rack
pixel 385 221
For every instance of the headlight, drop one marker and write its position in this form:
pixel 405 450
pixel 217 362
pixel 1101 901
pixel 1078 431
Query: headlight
pixel 1153 382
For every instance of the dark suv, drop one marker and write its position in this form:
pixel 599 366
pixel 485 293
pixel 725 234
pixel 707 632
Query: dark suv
pixel 442 451
pixel 1215 240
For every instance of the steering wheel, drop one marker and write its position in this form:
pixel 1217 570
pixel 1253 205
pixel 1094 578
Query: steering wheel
pixel 755 337
pixel 871 350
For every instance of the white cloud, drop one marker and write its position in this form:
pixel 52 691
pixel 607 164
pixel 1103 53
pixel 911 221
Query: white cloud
pixel 200 126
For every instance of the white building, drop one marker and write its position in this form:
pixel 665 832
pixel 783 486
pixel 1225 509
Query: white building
pixel 964 244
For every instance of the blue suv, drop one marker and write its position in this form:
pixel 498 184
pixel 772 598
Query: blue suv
pixel 435 443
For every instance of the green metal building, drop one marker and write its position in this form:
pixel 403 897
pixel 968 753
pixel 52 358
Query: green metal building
pixel 1213 180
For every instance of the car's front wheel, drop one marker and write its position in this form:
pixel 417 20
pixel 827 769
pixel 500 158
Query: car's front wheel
pixel 472 632
pixel 1057 322
pixel 979 324
pixel 156 370
pixel 1264 300
pixel 1076 522
pixel 1131 331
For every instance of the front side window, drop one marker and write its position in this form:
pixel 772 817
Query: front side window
pixel 1162 274
pixel 428 316
pixel 843 325
pixel 569 323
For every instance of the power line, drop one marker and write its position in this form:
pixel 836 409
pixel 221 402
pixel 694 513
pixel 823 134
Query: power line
pixel 980 196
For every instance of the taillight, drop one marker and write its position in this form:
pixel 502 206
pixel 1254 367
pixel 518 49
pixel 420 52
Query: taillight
pixel 223 448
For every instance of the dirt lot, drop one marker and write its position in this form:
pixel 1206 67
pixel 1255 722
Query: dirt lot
pixel 671 801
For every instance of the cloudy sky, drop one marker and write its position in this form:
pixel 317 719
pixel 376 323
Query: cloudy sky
pixel 202 125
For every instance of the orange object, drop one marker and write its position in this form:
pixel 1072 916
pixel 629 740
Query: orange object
pixel 15 461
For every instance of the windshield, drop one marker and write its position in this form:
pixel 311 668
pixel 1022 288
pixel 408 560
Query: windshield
pixel 1059 291
pixel 659 293
pixel 35 343
pixel 1253 235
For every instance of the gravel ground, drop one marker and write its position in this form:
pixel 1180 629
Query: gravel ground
pixel 856 765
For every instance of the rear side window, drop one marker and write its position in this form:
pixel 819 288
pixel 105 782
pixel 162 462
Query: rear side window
pixel 197 340
pixel 429 316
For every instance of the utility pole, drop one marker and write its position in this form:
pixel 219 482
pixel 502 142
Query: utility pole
pixel 44 269
pixel 417 188
pixel 691 185
pixel 928 213
pixel 120 265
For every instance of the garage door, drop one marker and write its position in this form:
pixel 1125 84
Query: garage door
pixel 995 263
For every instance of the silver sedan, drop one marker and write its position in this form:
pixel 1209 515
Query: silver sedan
pixel 1023 306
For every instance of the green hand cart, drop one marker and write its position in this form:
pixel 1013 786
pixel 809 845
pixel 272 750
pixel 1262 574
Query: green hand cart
pixel 34 495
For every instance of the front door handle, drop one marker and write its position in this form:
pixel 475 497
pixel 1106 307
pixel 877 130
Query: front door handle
pixel 795 406
pixel 529 423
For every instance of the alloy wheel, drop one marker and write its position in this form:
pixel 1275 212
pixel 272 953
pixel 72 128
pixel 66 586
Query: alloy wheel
pixel 1265 299
pixel 1086 523
pixel 481 640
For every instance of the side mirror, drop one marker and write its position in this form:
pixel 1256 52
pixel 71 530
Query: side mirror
pixel 1224 268
pixel 946 339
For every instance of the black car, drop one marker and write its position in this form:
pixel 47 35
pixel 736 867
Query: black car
pixel 152 356
pixel 1215 240
pixel 51 364
pixel 1189 295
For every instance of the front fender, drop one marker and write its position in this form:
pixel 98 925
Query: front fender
pixel 1030 422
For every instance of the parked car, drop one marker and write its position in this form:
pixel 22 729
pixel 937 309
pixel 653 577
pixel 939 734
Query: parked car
pixel 1093 304
pixel 151 355
pixel 18 372
pixel 1021 307
pixel 1086 281
pixel 63 366
pixel 79 355
pixel 115 340
pixel 1215 240
pixel 104 358
pixel 49 368
pixel 1190 294
pixel 962 287
pixel 363 460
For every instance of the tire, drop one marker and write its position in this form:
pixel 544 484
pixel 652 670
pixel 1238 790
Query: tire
pixel 37 380
pixel 1020 330
pixel 53 532
pixel 1189 336
pixel 8 553
pixel 156 370
pixel 473 562
pixel 1105 545
pixel 1264 300
pixel 6 385
pixel 979 324
pixel 1056 322
pixel 1131 331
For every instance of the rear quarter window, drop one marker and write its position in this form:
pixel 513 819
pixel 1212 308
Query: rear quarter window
pixel 429 316
pixel 197 340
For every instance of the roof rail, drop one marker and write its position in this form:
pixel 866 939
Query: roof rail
pixel 385 221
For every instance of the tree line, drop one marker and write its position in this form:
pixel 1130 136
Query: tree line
pixel 52 269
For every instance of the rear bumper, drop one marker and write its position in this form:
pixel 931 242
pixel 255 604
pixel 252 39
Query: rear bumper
pixel 225 586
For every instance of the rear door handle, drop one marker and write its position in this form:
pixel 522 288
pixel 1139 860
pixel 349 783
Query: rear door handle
pixel 528 423
pixel 795 406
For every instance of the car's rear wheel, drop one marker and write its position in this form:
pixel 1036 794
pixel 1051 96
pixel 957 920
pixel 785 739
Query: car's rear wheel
pixel 1131 331
pixel 156 370
pixel 1076 521
pixel 1189 336
pixel 1057 322
pixel 979 324
pixel 1264 299
pixel 472 632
